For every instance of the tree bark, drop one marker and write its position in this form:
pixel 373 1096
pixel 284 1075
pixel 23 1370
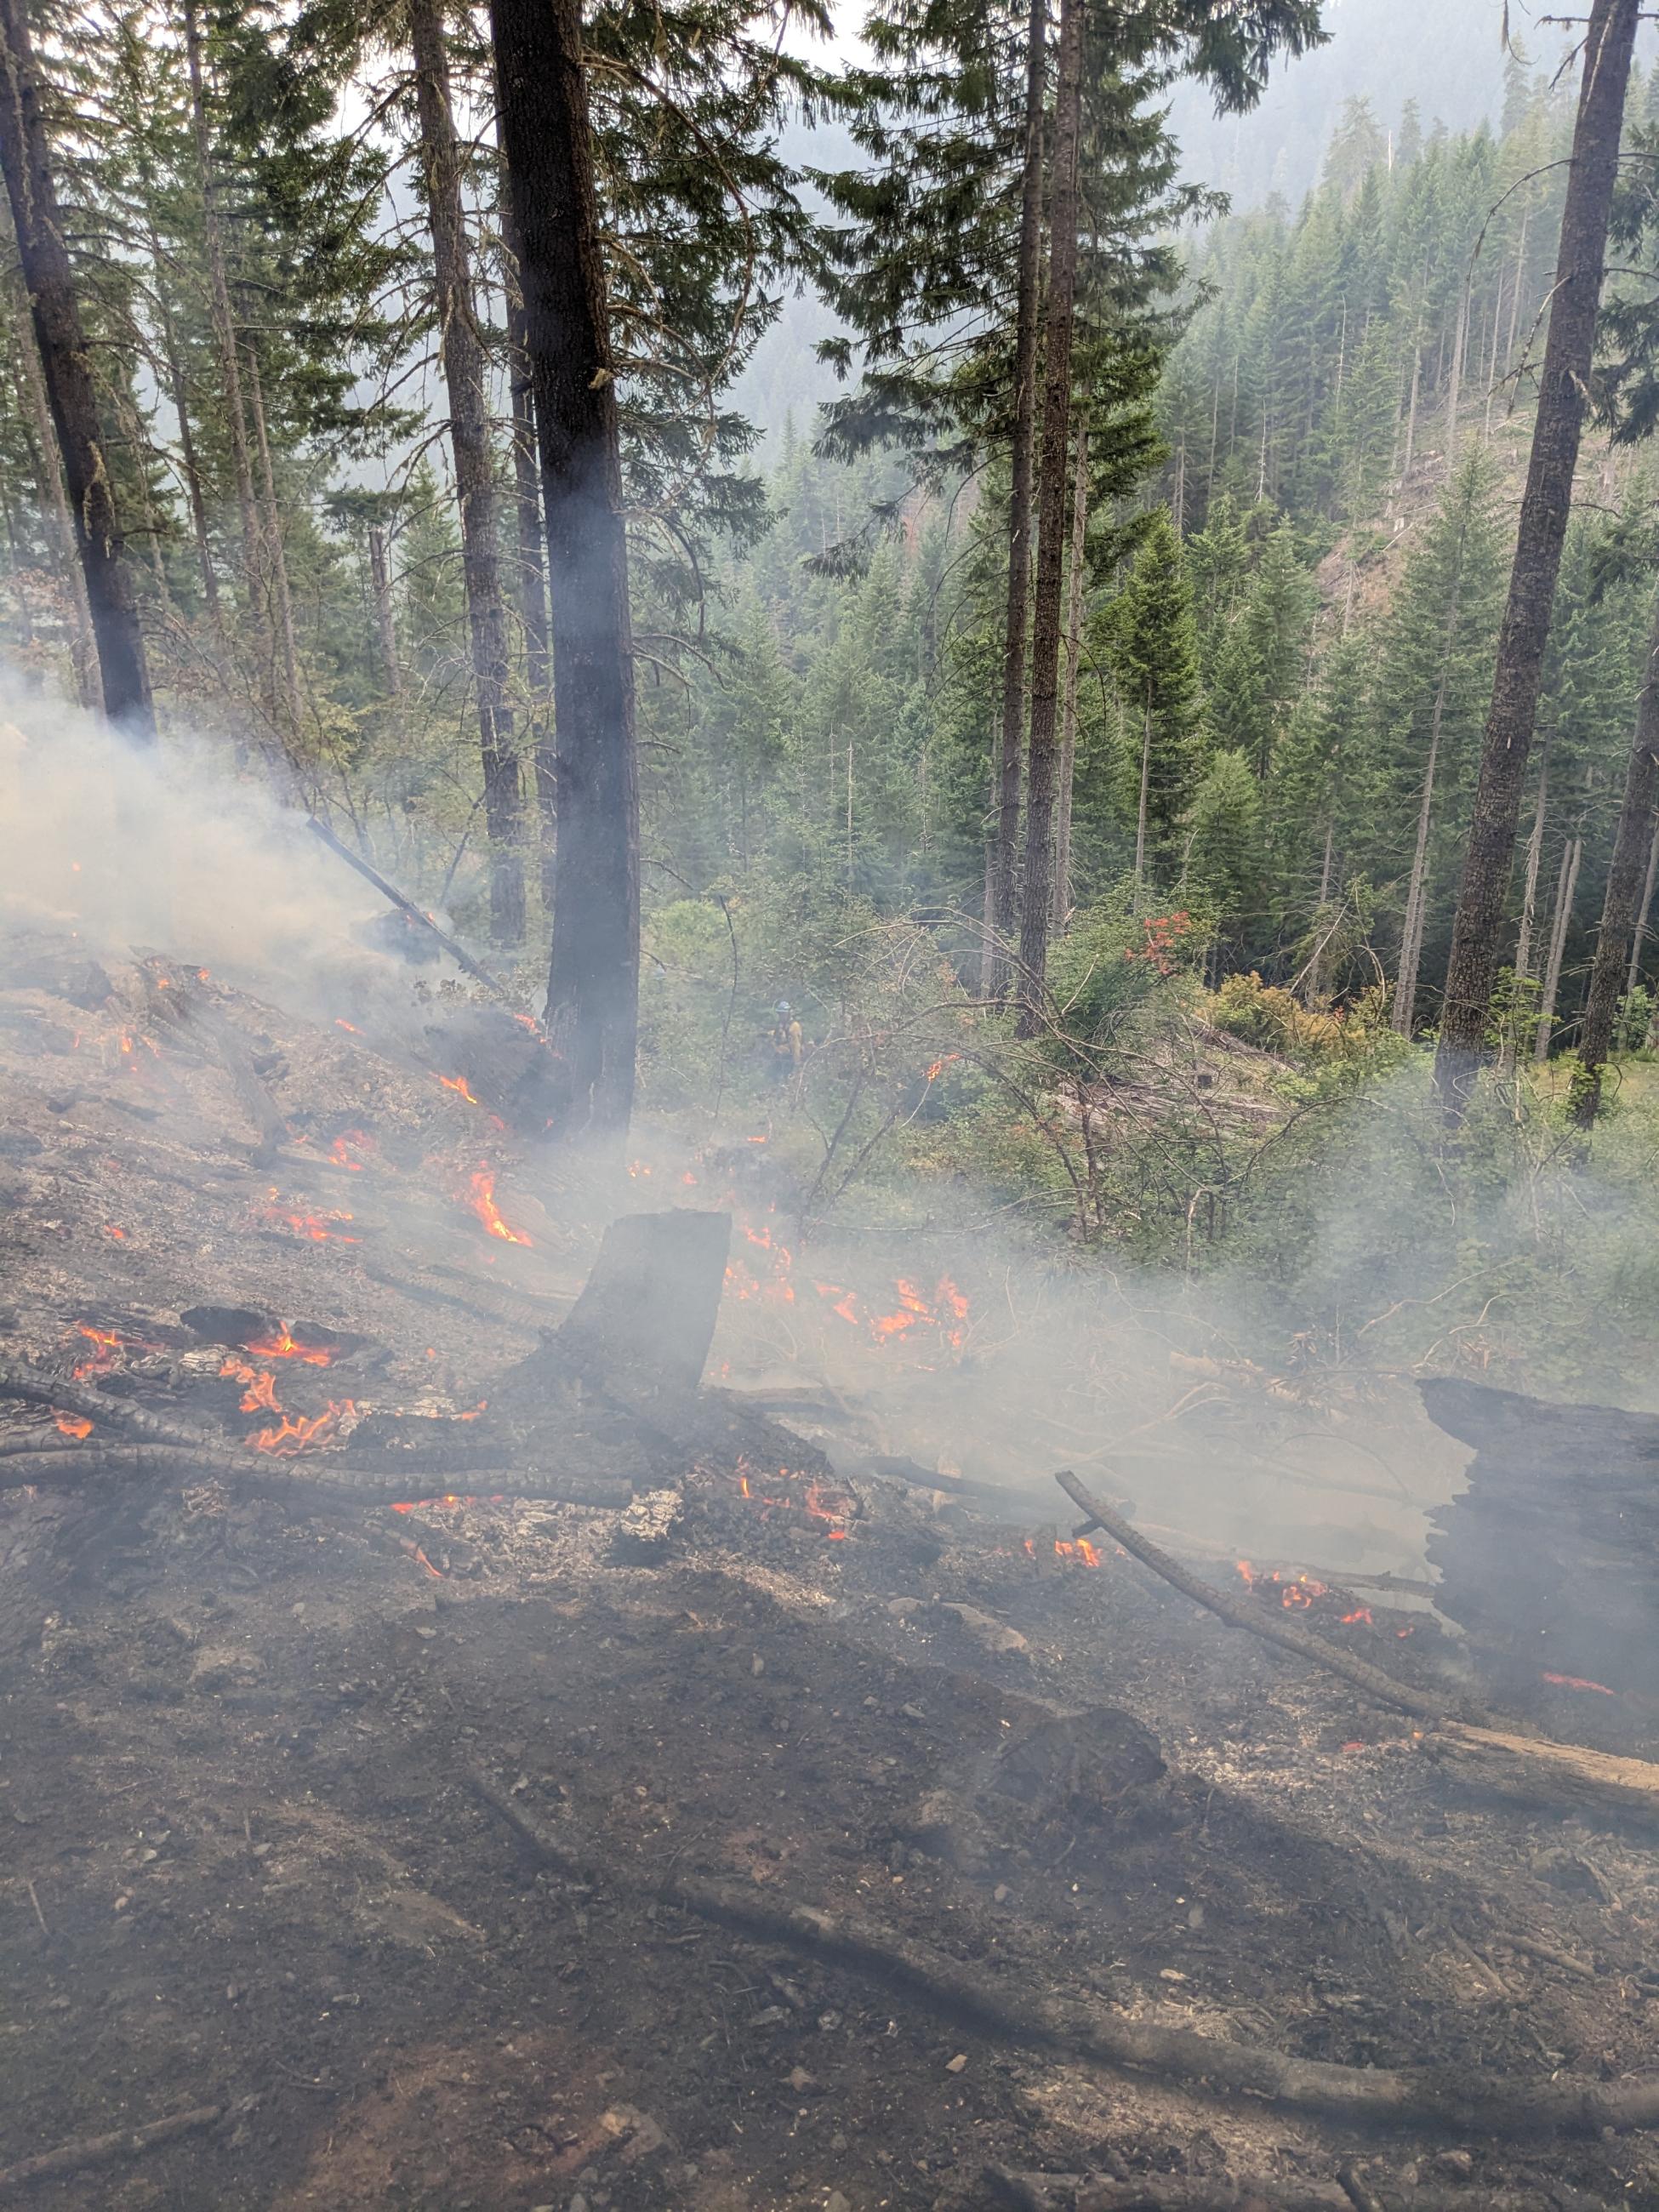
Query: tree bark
pixel 1534 861
pixel 178 391
pixel 532 566
pixel 54 500
pixel 1545 507
pixel 379 581
pixel 1566 886
pixel 1074 670
pixel 475 479
pixel 1003 871
pixel 1042 758
pixel 593 999
pixel 1410 945
pixel 1624 891
pixel 1635 975
pixel 283 709
pixel 276 556
pixel 66 369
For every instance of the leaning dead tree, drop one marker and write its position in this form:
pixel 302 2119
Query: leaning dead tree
pixel 1545 508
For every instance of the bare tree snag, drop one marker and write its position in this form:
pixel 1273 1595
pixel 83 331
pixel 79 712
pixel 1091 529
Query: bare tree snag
pixel 592 998
pixel 475 474
pixel 1545 508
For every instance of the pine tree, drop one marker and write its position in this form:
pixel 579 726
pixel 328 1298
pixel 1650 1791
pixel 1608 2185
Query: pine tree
pixel 1148 636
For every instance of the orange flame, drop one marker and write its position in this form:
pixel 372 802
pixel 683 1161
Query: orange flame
pixel 309 1429
pixel 119 1235
pixel 459 1084
pixel 286 1346
pixel 341 1023
pixel 73 1425
pixel 260 1396
pixel 341 1150
pixel 483 1205
pixel 311 1226
pixel 1578 1682
pixel 1362 1614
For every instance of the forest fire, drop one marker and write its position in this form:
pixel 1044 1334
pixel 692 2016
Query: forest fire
pixel 342 1148
pixel 284 1345
pixel 1067 1547
pixel 946 1312
pixel 73 1425
pixel 296 1434
pixel 109 1344
pixel 482 1202
pixel 462 1088
pixel 813 1501
pixel 259 1395
pixel 313 1227
pixel 1579 1682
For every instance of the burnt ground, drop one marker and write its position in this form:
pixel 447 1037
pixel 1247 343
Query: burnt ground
pixel 245 1865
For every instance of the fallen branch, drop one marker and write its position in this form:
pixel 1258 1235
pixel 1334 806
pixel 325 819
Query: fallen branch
pixel 1013 2011
pixel 407 907
pixel 1241 1613
pixel 103 2150
pixel 1492 1755
pixel 300 1476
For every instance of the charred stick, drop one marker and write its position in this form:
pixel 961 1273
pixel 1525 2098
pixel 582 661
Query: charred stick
pixel 407 907
pixel 65 1395
pixel 303 1477
pixel 102 2150
pixel 1009 2010
pixel 1240 1614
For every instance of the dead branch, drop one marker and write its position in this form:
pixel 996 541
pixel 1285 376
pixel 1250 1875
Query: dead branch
pixel 1479 1748
pixel 1012 2010
pixel 407 907
pixel 103 2150
pixel 301 1478
pixel 1243 1614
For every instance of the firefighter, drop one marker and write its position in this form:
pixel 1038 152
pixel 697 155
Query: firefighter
pixel 785 1043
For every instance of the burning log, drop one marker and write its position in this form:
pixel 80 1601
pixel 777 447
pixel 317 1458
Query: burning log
pixel 1009 2010
pixel 1561 1500
pixel 407 907
pixel 1486 1753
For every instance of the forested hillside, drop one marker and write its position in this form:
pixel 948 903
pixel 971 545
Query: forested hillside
pixel 1106 677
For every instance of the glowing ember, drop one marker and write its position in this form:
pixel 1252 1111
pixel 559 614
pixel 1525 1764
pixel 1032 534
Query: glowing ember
pixel 294 1435
pixel 815 1501
pixel 1578 1682
pixel 939 1066
pixel 286 1346
pixel 483 1205
pixel 944 1316
pixel 1362 1614
pixel 340 1151
pixel 459 1084
pixel 73 1425
pixel 108 1345
pixel 119 1235
pixel 341 1023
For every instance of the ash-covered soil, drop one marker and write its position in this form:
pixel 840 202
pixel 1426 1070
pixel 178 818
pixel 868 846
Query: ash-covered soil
pixel 247 1749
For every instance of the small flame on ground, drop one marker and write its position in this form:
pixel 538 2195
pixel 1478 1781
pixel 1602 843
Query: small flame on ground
pixel 119 1235
pixel 73 1425
pixel 1578 1682
pixel 313 1227
pixel 483 1205
pixel 341 1023
pixel 108 1345
pixel 295 1435
pixel 460 1085
pixel 286 1346
pixel 341 1150
pixel 1069 1548
pixel 260 1395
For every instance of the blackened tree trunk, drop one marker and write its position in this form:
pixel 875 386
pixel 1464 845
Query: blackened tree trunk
pixel 1004 855
pixel 54 500
pixel 1544 510
pixel 593 999
pixel 1623 896
pixel 66 366
pixel 1037 890
pixel 475 479
pixel 533 567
